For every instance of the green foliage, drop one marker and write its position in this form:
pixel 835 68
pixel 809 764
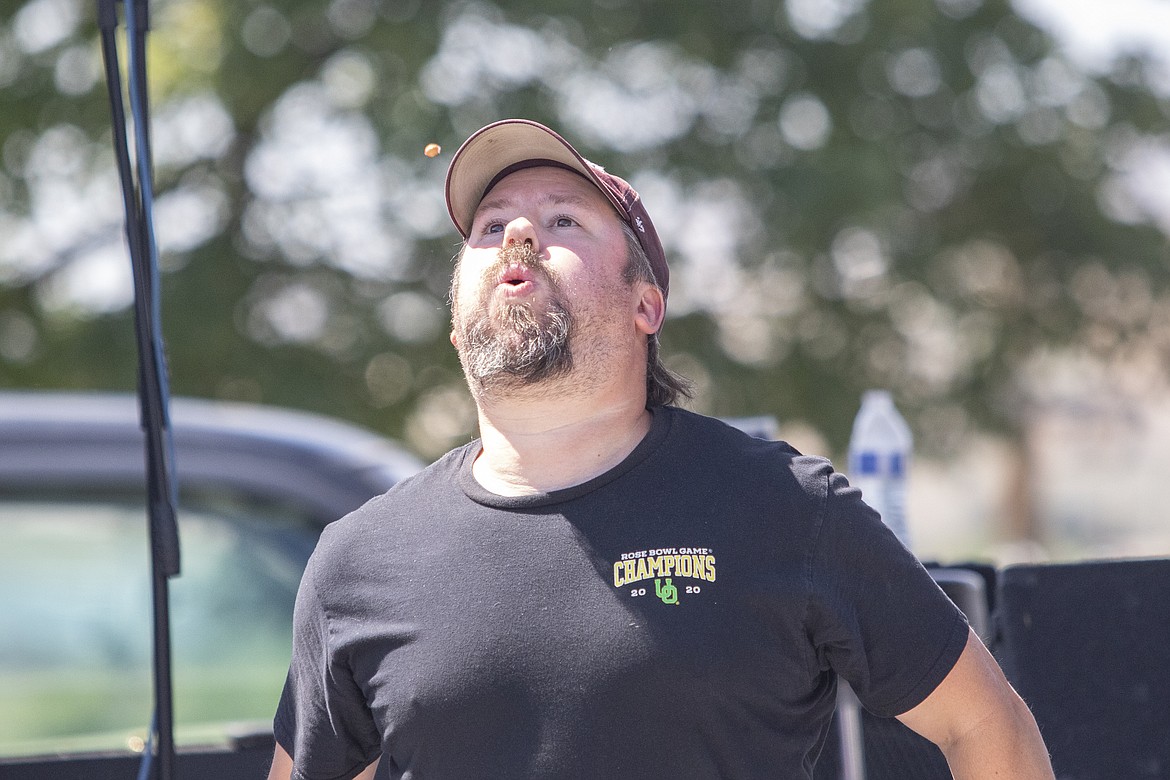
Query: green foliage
pixel 908 195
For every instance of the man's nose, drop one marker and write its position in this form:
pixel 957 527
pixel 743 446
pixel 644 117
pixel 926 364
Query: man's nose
pixel 521 231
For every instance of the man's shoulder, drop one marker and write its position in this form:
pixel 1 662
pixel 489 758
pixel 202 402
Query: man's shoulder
pixel 441 472
pixel 737 436
pixel 740 451
pixel 434 486
pixel 729 430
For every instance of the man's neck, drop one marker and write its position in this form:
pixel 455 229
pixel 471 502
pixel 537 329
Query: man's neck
pixel 544 444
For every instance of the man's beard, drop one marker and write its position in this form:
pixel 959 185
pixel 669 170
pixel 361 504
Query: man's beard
pixel 519 343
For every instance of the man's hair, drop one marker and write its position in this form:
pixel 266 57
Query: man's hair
pixel 663 386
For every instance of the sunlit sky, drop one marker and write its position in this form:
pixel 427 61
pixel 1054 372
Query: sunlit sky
pixel 1094 31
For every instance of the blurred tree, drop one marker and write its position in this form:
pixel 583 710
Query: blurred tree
pixel 923 195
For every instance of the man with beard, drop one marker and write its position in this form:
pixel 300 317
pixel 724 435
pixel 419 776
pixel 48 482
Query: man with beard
pixel 604 585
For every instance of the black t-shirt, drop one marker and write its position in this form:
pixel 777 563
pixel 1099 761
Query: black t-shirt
pixel 680 616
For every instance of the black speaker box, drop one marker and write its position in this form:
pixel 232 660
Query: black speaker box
pixel 1088 647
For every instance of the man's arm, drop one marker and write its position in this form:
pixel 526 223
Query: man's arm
pixel 980 723
pixel 282 765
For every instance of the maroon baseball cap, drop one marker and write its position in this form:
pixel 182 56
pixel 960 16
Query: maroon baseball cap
pixel 493 152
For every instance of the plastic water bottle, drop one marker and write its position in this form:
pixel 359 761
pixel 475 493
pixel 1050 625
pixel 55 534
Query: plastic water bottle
pixel 879 458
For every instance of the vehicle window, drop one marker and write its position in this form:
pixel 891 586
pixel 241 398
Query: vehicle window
pixel 76 625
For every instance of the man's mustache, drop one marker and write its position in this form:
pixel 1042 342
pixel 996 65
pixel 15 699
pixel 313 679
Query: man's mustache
pixel 521 254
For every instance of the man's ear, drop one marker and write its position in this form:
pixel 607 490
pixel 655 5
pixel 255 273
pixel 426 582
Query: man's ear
pixel 651 310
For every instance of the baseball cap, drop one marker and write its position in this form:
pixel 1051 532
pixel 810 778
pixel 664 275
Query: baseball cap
pixel 504 147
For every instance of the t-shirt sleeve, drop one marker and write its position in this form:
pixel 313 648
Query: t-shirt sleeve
pixel 876 616
pixel 322 719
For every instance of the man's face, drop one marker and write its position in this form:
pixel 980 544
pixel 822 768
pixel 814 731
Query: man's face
pixel 539 283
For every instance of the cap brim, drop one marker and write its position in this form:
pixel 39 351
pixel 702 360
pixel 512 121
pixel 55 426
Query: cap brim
pixel 494 148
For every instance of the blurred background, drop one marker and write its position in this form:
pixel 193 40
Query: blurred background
pixel 964 201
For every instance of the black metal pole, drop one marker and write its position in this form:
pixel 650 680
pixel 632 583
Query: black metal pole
pixel 159 762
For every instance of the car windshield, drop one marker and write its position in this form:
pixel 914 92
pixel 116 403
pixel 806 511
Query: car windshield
pixel 76 625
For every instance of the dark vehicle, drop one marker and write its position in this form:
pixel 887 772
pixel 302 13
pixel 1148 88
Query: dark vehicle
pixel 256 487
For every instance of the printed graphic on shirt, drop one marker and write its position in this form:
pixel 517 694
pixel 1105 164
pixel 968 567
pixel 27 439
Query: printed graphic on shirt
pixel 670 574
